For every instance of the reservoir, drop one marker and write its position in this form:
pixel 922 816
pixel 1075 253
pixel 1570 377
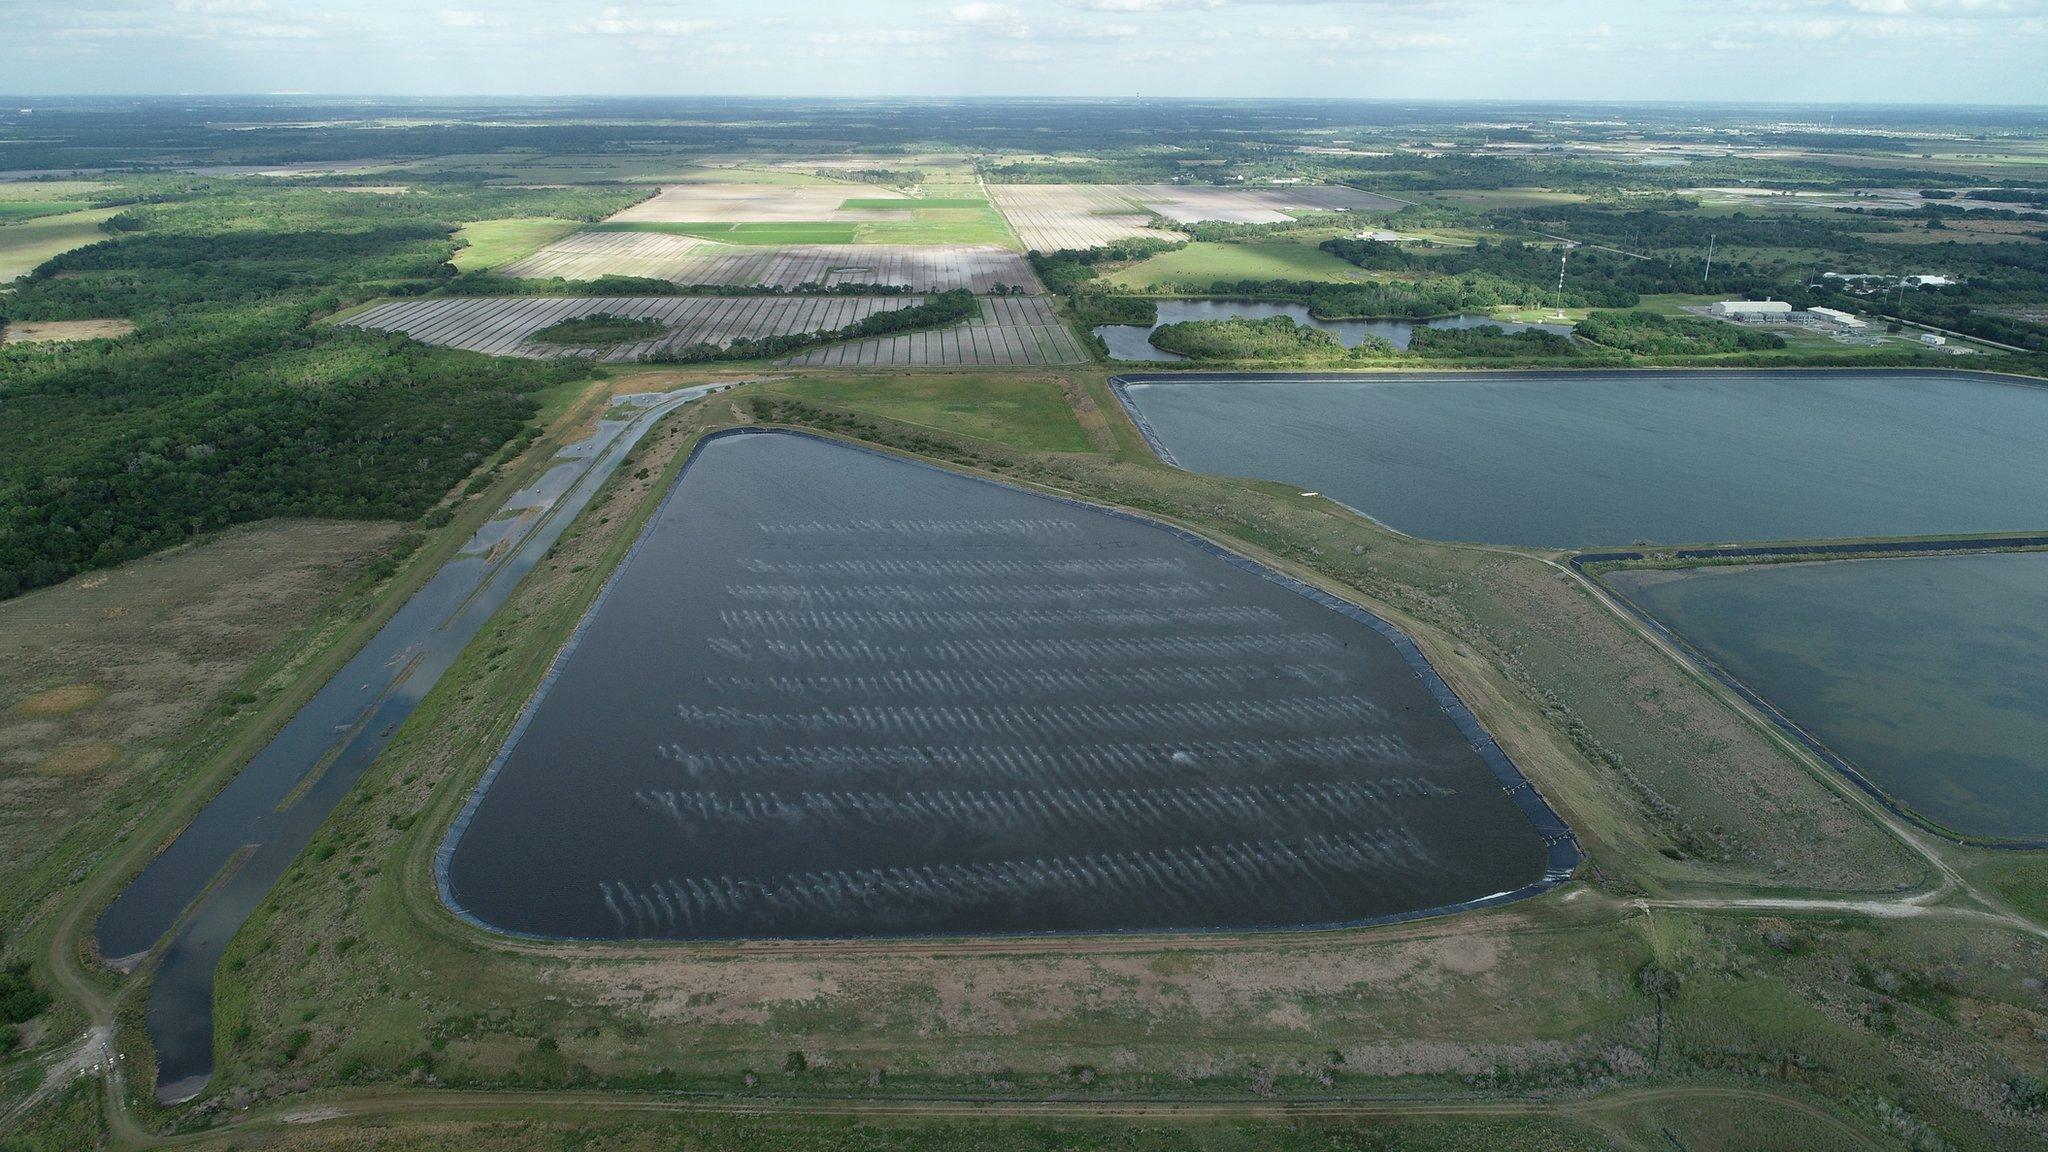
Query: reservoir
pixel 1133 341
pixel 831 693
pixel 1929 675
pixel 1585 459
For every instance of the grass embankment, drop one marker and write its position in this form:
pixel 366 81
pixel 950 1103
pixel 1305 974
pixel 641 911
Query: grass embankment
pixel 1026 409
pixel 488 243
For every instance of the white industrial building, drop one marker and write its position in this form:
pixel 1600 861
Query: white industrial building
pixel 1752 310
pixel 1933 340
pixel 1837 317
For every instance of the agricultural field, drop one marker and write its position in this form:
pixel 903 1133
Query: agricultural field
pixel 1053 217
pixel 757 203
pixel 1011 329
pixel 693 260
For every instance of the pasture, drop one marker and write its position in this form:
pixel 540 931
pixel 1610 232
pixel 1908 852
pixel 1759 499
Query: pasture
pixel 1197 266
pixel 25 245
pixel 694 260
pixel 490 243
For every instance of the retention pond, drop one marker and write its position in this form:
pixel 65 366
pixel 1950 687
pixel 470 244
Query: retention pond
pixel 833 693
pixel 1929 675
pixel 1585 459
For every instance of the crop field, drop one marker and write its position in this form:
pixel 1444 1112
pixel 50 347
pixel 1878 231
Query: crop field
pixel 1051 217
pixel 692 260
pixel 28 243
pixel 757 203
pixel 1011 329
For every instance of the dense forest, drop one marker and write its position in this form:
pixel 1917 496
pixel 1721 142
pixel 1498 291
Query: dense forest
pixel 230 402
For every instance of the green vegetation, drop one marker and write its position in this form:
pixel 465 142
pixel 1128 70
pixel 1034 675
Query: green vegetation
pixel 1273 338
pixel 935 311
pixel 230 403
pixel 938 221
pixel 1487 340
pixel 20 1002
pixel 1090 309
pixel 1198 266
pixel 600 328
pixel 777 233
pixel 1028 410
pixel 489 243
pixel 27 243
pixel 1658 335
pixel 12 210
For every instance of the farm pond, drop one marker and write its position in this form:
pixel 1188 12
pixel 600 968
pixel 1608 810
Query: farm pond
pixel 1134 341
pixel 1587 459
pixel 833 693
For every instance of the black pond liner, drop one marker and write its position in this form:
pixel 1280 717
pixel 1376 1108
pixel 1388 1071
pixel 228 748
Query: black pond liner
pixel 1562 851
pixel 1783 723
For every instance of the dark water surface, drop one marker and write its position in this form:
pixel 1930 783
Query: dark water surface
pixel 836 694
pixel 1580 459
pixel 1134 341
pixel 1930 674
pixel 232 853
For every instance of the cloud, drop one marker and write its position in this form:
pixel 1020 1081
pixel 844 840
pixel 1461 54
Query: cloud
pixel 984 13
pixel 618 21
pixel 466 18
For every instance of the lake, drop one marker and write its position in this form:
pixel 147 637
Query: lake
pixel 1928 674
pixel 1134 341
pixel 1583 459
pixel 832 693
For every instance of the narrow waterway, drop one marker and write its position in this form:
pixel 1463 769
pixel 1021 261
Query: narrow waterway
pixel 235 850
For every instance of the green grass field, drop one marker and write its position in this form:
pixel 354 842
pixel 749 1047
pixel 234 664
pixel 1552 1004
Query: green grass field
pixel 495 242
pixel 25 245
pixel 925 225
pixel 12 210
pixel 1196 266
pixel 50 189
pixel 1027 410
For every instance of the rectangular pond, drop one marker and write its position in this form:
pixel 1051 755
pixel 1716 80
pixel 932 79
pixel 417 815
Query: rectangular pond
pixel 1929 675
pixel 833 693
pixel 1582 459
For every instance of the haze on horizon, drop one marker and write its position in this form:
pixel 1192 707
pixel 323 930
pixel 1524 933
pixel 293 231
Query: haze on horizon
pixel 1809 51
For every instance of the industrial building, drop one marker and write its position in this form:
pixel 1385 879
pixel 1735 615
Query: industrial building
pixel 1753 311
pixel 1836 317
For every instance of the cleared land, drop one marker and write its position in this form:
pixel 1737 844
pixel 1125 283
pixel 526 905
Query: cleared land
pixel 691 260
pixel 101 675
pixel 59 331
pixel 26 244
pixel 1049 217
pixel 1011 329
pixel 495 242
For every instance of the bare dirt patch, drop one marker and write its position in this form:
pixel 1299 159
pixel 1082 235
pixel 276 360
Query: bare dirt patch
pixel 63 331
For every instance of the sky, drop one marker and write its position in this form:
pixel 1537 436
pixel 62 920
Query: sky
pixel 1849 51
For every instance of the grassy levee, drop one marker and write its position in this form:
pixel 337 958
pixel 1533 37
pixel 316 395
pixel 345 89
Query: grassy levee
pixel 60 935
pixel 353 977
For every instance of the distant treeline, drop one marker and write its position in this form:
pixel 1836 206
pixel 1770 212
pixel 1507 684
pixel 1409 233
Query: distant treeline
pixel 936 310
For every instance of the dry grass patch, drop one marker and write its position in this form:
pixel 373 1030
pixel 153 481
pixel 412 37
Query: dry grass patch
pixel 80 759
pixel 61 700
pixel 63 331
